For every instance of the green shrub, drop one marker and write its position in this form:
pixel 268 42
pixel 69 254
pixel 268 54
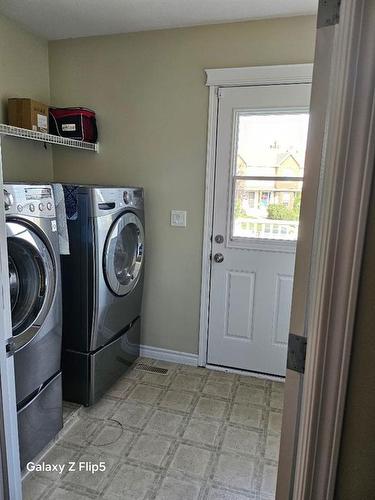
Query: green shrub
pixel 281 212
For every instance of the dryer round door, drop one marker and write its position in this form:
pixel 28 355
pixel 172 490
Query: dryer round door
pixel 123 254
pixel 32 281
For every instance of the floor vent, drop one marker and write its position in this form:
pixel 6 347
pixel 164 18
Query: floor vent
pixel 151 369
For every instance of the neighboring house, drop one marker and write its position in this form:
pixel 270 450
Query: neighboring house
pixel 254 197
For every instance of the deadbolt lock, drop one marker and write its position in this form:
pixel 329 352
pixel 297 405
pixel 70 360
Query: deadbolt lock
pixel 218 257
pixel 219 238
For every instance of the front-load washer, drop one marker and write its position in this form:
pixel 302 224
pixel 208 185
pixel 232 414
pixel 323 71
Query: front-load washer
pixel 102 287
pixel 35 292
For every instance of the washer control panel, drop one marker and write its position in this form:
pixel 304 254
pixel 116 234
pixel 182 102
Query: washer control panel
pixel 29 200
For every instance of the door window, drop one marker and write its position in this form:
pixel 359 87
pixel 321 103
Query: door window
pixel 124 254
pixel 26 278
pixel 252 197
pixel 267 181
pixel 31 282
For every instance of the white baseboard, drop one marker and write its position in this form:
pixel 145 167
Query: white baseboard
pixel 184 358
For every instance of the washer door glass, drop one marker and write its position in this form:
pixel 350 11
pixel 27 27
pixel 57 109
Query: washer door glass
pixel 123 254
pixel 31 277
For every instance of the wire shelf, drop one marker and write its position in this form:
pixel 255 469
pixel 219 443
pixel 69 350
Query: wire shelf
pixel 24 133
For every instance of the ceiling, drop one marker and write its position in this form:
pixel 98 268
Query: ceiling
pixel 56 19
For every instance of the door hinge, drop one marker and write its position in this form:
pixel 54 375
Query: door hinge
pixel 296 353
pixel 328 13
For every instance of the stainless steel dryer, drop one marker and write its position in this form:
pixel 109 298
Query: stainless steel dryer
pixel 102 287
pixel 35 290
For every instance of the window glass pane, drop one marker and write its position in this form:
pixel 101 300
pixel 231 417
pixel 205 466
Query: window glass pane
pixel 273 212
pixel 27 284
pixel 271 145
pixel 125 254
pixel 251 197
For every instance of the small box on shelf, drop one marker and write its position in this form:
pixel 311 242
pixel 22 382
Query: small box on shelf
pixel 29 114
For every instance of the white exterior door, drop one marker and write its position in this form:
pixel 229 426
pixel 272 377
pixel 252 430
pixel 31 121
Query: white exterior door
pixel 261 140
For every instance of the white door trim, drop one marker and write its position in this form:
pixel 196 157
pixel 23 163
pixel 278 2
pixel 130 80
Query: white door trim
pixel 231 77
pixel 8 419
pixel 259 75
pixel 207 227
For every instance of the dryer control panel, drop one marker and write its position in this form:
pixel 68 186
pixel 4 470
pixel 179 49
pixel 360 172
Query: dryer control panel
pixel 29 200
pixel 110 200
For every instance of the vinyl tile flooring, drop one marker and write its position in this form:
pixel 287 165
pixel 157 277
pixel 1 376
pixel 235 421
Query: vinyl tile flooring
pixel 192 434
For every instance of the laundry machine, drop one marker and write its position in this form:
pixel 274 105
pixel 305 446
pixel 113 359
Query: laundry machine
pixel 102 287
pixel 35 291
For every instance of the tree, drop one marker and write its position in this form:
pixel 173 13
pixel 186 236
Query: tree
pixel 239 212
pixel 297 202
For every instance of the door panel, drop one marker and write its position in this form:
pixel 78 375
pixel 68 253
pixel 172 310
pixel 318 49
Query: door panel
pixel 240 319
pixel 261 140
pixel 281 317
pixel 249 323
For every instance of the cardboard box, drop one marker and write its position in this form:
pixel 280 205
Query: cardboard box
pixel 26 113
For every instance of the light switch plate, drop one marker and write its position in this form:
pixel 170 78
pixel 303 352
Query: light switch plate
pixel 178 218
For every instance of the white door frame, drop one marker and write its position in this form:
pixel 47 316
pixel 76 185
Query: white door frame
pixel 216 79
pixel 10 461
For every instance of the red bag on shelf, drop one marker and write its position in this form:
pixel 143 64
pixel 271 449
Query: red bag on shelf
pixel 73 123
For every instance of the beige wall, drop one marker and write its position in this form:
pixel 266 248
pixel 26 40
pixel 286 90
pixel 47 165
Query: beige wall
pixel 356 473
pixel 149 93
pixel 24 72
pixel 152 108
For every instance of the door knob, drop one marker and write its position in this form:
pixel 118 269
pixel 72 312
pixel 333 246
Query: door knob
pixel 218 257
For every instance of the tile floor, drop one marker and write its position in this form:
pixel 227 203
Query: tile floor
pixel 193 434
